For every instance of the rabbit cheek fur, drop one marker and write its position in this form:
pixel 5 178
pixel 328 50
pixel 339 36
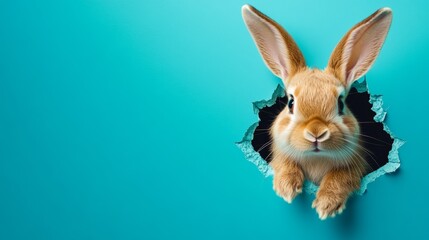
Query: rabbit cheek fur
pixel 317 137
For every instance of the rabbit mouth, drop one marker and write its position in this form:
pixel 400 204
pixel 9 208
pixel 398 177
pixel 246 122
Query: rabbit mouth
pixel 316 147
pixel 315 150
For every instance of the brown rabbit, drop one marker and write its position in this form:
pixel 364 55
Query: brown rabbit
pixel 316 137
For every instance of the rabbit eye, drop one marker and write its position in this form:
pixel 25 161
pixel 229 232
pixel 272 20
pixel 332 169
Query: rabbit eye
pixel 290 104
pixel 340 106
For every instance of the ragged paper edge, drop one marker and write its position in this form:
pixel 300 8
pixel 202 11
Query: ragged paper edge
pixel 246 143
pixel 380 114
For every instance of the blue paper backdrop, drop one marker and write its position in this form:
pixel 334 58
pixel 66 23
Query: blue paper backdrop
pixel 118 120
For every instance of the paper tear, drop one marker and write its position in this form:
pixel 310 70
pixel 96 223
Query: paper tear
pixel 258 105
pixel 380 114
pixel 246 146
pixel 246 143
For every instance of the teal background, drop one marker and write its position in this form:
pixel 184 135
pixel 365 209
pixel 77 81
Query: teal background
pixel 118 120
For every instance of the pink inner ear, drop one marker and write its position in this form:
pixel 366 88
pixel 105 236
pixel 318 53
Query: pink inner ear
pixel 277 48
pixel 269 41
pixel 364 46
pixel 357 52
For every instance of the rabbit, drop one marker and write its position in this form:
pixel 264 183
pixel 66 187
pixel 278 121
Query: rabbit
pixel 316 137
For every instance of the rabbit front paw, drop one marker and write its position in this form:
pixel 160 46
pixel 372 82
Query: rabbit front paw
pixel 327 205
pixel 288 186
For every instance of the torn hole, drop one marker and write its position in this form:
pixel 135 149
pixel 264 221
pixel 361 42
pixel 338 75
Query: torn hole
pixel 367 109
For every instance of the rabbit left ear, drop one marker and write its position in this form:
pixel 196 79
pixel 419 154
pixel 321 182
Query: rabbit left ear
pixel 358 49
pixel 276 46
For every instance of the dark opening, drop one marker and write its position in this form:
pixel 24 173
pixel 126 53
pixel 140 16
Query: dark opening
pixel 377 141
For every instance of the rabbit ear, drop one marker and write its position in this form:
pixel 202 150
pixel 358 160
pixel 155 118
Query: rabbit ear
pixel 357 51
pixel 278 49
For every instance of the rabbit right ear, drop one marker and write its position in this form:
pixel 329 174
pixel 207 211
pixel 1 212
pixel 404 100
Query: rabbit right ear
pixel 278 49
pixel 357 51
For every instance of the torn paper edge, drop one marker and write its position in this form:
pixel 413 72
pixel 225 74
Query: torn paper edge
pixel 380 114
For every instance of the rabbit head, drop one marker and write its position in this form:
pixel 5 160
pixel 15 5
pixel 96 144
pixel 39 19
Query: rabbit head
pixel 316 122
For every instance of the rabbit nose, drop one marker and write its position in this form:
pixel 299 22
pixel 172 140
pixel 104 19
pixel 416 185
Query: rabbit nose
pixel 319 136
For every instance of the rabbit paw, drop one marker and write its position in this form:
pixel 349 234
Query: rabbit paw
pixel 328 206
pixel 288 186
